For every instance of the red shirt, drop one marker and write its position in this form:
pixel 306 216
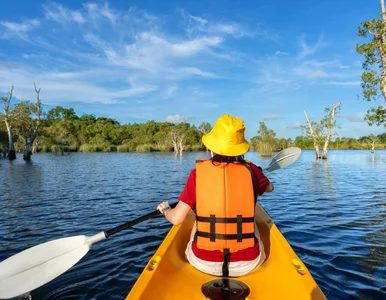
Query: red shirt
pixel 188 196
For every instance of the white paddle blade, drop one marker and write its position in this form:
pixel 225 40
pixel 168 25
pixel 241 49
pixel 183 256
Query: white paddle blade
pixel 284 158
pixel 38 265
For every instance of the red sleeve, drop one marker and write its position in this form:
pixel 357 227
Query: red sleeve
pixel 188 195
pixel 262 181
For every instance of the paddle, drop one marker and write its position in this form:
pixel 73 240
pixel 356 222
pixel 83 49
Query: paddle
pixel 283 159
pixel 31 268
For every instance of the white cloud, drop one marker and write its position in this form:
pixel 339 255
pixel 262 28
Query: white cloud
pixel 318 74
pixel 91 12
pixel 296 125
pixel 278 53
pixel 306 49
pixel 271 118
pixel 197 25
pixel 18 29
pixel 57 13
pixel 77 17
pixel 176 119
pixel 345 83
pixel 354 118
pixel 68 87
pixel 170 90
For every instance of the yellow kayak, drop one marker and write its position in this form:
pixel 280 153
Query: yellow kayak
pixel 283 275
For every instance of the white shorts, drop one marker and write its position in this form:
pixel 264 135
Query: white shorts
pixel 236 269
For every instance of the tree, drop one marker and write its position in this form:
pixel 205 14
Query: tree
pixel 6 102
pixel 303 142
pixel 264 142
pixel 322 131
pixel 205 128
pixel 315 131
pixel 26 118
pixel 374 65
pixel 59 113
pixel 329 122
pixel 176 138
pixel 372 139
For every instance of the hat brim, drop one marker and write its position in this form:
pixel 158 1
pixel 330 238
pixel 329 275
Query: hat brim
pixel 223 148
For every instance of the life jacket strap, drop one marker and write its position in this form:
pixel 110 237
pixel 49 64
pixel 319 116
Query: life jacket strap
pixel 226 220
pixel 212 233
pixel 225 265
pixel 239 228
pixel 225 236
pixel 254 180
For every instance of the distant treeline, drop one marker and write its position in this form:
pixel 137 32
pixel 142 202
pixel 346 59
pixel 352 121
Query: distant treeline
pixel 62 130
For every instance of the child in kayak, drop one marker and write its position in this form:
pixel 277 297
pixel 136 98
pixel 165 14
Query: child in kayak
pixel 223 191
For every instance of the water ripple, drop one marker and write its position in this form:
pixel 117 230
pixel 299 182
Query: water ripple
pixel 332 213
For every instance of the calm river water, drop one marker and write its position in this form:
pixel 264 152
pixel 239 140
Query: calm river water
pixel 332 213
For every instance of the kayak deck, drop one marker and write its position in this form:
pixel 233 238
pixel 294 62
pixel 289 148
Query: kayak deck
pixel 283 275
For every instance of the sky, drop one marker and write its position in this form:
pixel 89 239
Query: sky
pixel 191 61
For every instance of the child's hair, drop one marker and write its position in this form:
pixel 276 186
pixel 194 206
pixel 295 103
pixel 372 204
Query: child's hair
pixel 227 159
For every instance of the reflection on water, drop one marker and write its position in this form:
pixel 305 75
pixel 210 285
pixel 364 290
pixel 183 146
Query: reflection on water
pixel 332 212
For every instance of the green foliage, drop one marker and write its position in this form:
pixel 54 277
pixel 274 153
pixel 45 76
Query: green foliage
pixel 376 116
pixel 123 148
pixel 320 129
pixel 91 134
pixel 373 76
pixel 304 142
pixel 144 148
pixel 3 136
pixel 205 127
pixel 22 118
pixel 60 113
pixel 265 141
pixel 87 148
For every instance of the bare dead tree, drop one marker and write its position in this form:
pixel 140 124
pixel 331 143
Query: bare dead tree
pixel 176 139
pixel 372 139
pixel 6 103
pixel 314 132
pixel 29 141
pixel 330 124
pixel 181 147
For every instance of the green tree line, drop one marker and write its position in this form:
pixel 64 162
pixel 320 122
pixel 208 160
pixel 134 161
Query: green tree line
pixel 62 130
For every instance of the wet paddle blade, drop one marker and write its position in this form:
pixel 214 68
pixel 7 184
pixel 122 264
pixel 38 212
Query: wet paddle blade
pixel 284 158
pixel 38 265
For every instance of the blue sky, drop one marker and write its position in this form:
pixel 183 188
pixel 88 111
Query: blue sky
pixel 190 60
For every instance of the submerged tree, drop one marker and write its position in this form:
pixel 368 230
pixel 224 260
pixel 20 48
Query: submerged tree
pixel 372 139
pixel 374 65
pixel 329 123
pixel 176 138
pixel 6 118
pixel 264 142
pixel 322 131
pixel 26 118
pixel 315 131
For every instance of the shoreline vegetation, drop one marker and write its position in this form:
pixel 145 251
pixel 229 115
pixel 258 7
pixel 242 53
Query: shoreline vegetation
pixel 61 131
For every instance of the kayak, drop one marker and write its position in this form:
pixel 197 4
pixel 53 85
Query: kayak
pixel 168 275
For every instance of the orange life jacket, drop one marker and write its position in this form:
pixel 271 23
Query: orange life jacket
pixel 225 206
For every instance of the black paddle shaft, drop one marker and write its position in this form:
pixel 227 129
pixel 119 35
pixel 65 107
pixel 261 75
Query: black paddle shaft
pixel 127 225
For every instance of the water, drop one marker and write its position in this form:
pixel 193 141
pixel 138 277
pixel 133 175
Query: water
pixel 332 213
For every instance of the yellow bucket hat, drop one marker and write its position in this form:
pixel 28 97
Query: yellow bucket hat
pixel 227 137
